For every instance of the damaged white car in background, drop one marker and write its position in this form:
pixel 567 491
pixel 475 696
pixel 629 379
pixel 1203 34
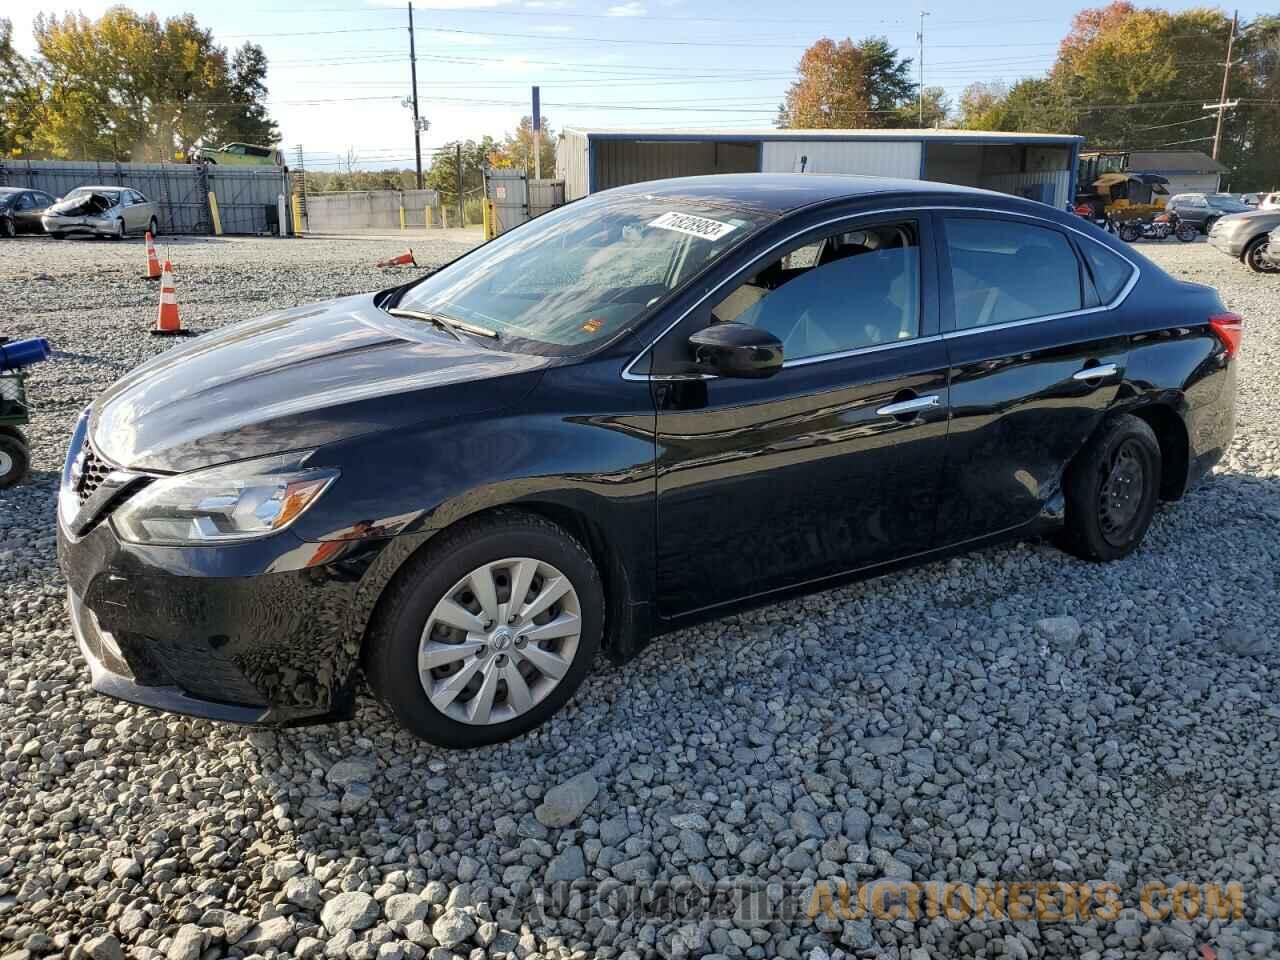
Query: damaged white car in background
pixel 103 212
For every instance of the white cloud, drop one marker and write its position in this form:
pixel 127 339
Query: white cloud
pixel 547 4
pixel 632 8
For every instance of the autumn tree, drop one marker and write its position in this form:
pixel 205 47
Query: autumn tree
pixel 848 85
pixel 442 175
pixel 21 99
pixel 516 149
pixel 130 87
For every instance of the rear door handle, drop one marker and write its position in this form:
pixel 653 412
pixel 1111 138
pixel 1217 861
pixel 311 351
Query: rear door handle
pixel 906 407
pixel 1099 372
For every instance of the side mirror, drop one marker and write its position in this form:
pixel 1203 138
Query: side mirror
pixel 737 350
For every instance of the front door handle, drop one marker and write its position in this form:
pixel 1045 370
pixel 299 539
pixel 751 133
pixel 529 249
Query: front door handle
pixel 909 407
pixel 1099 372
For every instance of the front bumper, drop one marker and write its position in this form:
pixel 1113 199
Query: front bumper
pixel 259 632
pixel 91 225
pixel 1223 241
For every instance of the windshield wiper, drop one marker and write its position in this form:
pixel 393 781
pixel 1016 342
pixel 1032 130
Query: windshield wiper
pixel 448 323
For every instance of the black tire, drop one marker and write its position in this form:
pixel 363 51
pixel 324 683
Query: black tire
pixel 1208 224
pixel 154 227
pixel 1187 232
pixel 57 236
pixel 394 636
pixel 15 459
pixel 1253 256
pixel 121 231
pixel 1093 530
pixel 1129 233
pixel 8 228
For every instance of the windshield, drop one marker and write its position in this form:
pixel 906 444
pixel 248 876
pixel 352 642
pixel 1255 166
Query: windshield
pixel 112 196
pixel 571 279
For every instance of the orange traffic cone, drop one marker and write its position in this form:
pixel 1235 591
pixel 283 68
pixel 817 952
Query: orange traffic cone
pixel 403 260
pixel 153 262
pixel 167 322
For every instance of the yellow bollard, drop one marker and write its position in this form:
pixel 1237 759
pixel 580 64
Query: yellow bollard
pixel 402 218
pixel 213 211
pixel 296 203
pixel 429 218
pixel 484 219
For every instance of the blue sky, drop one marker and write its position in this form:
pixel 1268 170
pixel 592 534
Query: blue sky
pixel 339 68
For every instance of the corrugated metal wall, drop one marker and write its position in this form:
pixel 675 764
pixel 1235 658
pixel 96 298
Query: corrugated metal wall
pixel 1018 184
pixel 619 162
pixel 180 189
pixel 876 158
pixel 571 164
pixel 369 210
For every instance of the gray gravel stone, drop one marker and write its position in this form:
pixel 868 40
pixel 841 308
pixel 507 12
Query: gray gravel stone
pixel 350 911
pixel 565 802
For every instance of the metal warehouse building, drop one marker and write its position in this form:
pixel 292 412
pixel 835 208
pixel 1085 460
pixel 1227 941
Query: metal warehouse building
pixel 1040 166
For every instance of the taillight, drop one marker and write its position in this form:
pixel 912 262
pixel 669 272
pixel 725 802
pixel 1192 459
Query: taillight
pixel 1230 330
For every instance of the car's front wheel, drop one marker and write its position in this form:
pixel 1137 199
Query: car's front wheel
pixel 487 633
pixel 1254 256
pixel 154 227
pixel 1111 488
pixel 119 234
pixel 8 228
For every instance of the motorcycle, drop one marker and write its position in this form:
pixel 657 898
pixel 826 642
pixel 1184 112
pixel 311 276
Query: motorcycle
pixel 1160 228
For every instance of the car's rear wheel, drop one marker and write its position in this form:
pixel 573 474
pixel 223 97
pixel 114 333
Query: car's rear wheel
pixel 154 227
pixel 488 633
pixel 8 228
pixel 15 459
pixel 1111 490
pixel 1254 256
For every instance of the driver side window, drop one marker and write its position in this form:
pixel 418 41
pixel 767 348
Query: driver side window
pixel 848 290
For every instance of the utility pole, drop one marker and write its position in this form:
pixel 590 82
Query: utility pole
pixel 537 134
pixel 1226 75
pixel 417 126
pixel 462 214
pixel 920 89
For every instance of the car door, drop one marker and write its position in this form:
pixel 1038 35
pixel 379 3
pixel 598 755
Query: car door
pixel 26 213
pixel 1036 360
pixel 137 211
pixel 833 463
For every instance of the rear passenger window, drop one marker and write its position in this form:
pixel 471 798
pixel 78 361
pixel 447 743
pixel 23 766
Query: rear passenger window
pixel 1004 271
pixel 1110 271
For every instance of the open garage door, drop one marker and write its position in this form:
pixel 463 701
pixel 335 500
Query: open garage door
pixel 619 162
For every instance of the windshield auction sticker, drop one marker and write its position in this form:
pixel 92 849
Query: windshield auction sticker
pixel 703 227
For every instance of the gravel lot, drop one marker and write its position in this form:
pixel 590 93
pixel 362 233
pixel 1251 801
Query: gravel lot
pixel 1014 715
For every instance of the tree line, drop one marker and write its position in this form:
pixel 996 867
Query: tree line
pixel 1125 78
pixel 128 87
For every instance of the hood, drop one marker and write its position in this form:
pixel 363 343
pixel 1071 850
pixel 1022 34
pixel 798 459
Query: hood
pixel 296 379
pixel 87 205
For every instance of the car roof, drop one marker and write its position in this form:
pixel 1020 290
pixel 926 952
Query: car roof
pixel 14 189
pixel 102 186
pixel 784 192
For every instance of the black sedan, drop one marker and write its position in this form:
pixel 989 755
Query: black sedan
pixel 20 210
pixel 641 410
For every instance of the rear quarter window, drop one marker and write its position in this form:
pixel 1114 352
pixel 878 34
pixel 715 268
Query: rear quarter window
pixel 1110 271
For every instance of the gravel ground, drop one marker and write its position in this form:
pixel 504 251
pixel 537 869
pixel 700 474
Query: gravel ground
pixel 1014 715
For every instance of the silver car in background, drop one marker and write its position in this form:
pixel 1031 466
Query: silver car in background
pixel 102 212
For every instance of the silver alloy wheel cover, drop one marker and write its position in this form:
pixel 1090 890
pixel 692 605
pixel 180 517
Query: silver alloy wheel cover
pixel 6 463
pixel 484 659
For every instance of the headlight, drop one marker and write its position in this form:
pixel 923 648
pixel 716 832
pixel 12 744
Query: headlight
pixel 240 501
